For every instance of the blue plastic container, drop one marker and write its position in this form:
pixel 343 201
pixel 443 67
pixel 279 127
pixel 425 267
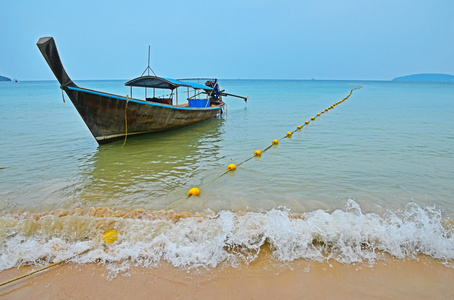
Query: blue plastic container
pixel 199 103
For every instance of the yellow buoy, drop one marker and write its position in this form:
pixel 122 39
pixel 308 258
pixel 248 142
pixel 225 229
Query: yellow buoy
pixel 194 192
pixel 231 167
pixel 312 118
pixel 322 111
pixel 257 153
pixel 289 134
pixel 299 127
pixel 307 122
pixel 275 142
pixel 318 114
pixel 326 109
pixel 110 237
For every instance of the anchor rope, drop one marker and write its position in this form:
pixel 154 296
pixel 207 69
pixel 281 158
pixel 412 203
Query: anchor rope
pixel 126 121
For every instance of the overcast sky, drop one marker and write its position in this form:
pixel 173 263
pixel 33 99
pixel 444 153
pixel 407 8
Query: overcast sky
pixel 300 39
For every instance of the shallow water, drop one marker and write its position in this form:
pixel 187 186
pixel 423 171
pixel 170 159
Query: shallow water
pixel 373 174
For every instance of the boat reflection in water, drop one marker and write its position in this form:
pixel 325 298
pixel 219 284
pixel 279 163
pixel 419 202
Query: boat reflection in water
pixel 151 171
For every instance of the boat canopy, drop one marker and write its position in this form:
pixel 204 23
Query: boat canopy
pixel 164 83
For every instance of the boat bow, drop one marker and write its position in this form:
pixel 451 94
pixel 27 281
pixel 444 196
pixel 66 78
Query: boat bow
pixel 49 50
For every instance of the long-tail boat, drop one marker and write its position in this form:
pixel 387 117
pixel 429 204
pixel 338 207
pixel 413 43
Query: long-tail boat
pixel 111 117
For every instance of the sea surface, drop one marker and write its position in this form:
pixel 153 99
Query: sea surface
pixel 371 177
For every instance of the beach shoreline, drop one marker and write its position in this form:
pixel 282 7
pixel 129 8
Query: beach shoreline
pixel 356 205
pixel 264 278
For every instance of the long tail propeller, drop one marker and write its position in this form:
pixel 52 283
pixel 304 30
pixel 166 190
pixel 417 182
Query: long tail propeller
pixel 241 97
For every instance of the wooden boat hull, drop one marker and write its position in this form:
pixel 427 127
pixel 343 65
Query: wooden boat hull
pixel 110 117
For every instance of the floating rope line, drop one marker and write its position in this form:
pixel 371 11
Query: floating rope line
pixel 107 238
pixel 44 268
pixel 196 191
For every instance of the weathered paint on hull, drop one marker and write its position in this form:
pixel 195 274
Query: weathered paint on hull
pixel 106 115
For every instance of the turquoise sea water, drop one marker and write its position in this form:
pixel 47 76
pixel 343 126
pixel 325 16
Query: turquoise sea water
pixel 383 160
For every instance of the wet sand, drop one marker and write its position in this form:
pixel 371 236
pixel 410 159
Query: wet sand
pixel 262 279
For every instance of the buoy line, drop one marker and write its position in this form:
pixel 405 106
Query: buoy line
pixel 232 167
pixel 108 238
pixel 111 236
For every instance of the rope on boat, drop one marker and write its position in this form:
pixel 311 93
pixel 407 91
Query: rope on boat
pixel 126 121
pixel 259 152
pixel 44 268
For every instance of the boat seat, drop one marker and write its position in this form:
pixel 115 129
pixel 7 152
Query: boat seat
pixel 160 100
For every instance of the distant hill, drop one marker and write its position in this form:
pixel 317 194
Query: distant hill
pixel 3 78
pixel 426 77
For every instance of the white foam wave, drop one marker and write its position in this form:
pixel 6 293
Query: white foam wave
pixel 346 236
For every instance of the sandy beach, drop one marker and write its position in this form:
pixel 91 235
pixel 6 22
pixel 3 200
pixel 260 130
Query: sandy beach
pixel 328 196
pixel 262 279
pixel 227 150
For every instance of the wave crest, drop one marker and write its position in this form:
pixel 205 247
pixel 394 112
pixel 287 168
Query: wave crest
pixel 208 239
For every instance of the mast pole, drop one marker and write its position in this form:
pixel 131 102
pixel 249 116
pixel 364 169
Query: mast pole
pixel 148 60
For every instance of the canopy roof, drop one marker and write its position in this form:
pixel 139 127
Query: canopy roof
pixel 164 83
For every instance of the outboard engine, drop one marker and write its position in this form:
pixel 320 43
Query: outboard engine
pixel 210 83
pixel 215 93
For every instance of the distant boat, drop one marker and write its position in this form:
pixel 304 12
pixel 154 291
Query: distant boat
pixel 111 117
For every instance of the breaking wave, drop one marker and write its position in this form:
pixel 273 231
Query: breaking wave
pixel 210 239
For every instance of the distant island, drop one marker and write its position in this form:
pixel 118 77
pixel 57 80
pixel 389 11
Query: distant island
pixel 3 78
pixel 426 77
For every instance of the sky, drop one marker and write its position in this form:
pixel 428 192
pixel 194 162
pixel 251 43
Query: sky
pixel 230 39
